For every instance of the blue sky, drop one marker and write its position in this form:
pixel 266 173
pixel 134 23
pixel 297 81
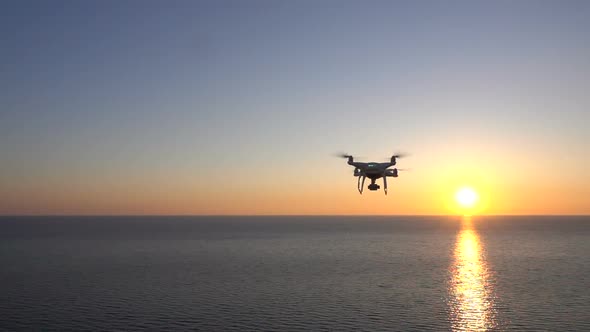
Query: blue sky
pixel 95 94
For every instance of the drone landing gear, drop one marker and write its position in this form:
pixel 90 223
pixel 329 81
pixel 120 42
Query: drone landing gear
pixel 373 186
pixel 361 184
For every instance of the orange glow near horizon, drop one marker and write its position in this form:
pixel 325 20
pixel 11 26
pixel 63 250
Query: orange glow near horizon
pixel 424 191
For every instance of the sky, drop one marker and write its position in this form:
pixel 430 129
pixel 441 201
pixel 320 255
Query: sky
pixel 238 107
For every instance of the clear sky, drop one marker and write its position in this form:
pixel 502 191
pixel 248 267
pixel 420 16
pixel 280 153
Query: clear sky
pixel 237 107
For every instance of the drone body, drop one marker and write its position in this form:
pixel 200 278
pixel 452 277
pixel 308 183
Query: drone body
pixel 373 171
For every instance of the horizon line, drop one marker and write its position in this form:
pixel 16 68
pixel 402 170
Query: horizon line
pixel 291 215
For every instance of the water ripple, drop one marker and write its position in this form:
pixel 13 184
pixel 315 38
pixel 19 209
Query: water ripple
pixel 367 274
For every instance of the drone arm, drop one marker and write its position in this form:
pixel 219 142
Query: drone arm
pixel 391 172
pixel 393 161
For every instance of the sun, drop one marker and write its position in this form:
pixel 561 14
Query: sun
pixel 466 197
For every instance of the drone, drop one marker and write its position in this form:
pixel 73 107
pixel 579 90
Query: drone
pixel 373 171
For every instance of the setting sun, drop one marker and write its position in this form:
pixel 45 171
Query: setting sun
pixel 466 197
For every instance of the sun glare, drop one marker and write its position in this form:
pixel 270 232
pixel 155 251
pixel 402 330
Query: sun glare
pixel 466 197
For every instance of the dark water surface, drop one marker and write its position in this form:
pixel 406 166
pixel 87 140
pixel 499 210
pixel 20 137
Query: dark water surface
pixel 295 273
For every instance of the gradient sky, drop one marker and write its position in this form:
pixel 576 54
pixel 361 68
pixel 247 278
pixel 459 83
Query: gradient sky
pixel 237 107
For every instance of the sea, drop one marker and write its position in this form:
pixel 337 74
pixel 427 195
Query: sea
pixel 298 273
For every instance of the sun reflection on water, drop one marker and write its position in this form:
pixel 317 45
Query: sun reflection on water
pixel 471 292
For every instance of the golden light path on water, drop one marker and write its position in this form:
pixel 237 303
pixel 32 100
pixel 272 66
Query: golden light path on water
pixel 471 293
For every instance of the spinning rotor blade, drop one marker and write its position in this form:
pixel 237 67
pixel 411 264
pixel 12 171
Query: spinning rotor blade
pixel 404 169
pixel 346 155
pixel 400 155
pixel 342 155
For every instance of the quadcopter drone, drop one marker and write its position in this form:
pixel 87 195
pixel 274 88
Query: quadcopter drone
pixel 373 171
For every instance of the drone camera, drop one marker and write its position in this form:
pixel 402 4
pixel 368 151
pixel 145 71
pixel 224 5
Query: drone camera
pixel 374 187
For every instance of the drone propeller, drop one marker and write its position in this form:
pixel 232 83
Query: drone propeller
pixel 346 155
pixel 404 169
pixel 400 155
pixel 343 155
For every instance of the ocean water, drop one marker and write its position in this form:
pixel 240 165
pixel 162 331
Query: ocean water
pixel 295 273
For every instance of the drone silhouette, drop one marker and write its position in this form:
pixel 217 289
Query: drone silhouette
pixel 373 171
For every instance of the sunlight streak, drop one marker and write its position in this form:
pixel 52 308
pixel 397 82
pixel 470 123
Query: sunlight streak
pixel 472 301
